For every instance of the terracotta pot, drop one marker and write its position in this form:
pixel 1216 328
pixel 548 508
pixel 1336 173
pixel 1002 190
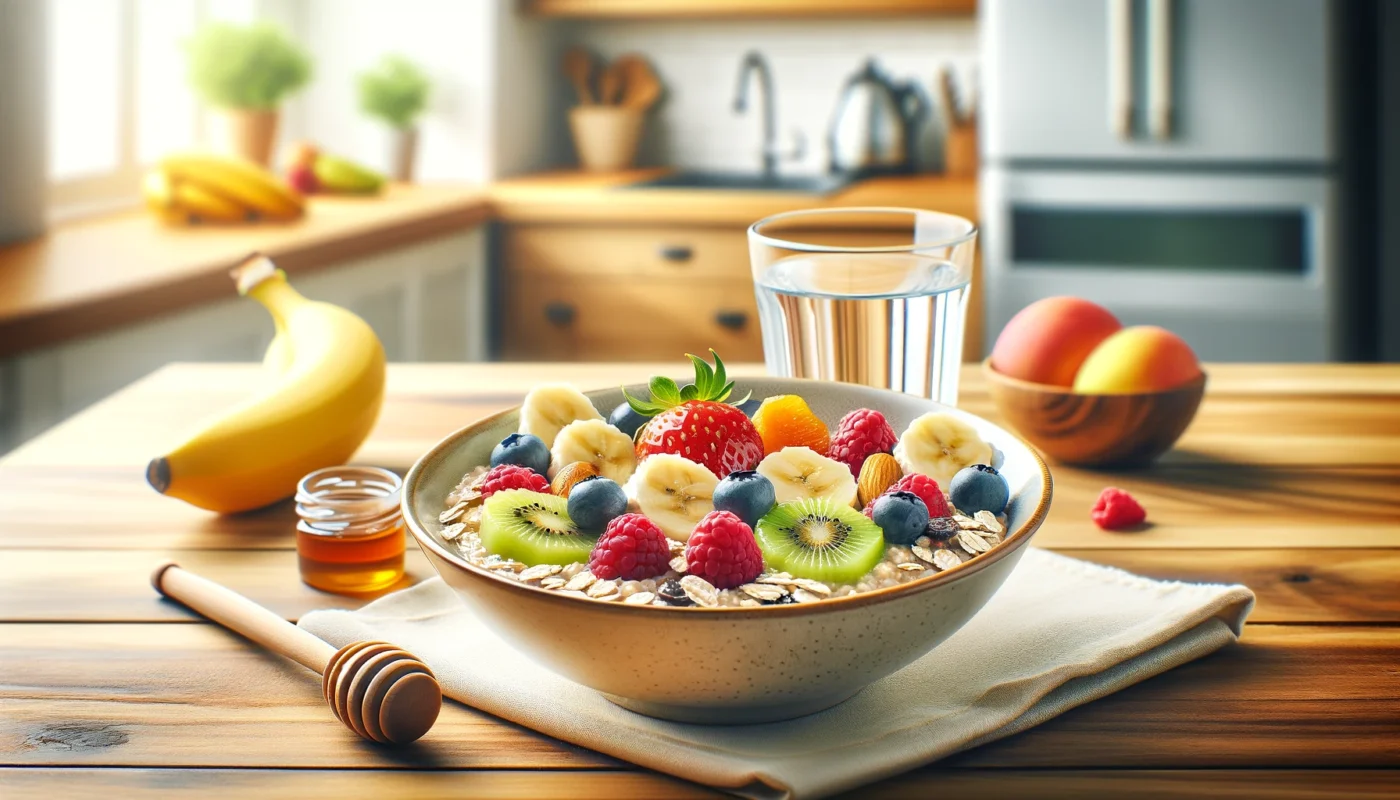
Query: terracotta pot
pixel 245 132
pixel 791 659
pixel 403 154
pixel 960 151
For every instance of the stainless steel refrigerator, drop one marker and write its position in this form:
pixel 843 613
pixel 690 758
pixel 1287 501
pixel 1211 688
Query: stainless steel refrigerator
pixel 1174 160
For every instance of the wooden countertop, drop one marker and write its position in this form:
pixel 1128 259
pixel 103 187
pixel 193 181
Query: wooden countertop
pixel 1286 482
pixel 84 277
pixel 89 276
pixel 569 197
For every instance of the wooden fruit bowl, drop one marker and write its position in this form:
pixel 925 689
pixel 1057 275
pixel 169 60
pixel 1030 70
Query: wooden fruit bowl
pixel 1095 430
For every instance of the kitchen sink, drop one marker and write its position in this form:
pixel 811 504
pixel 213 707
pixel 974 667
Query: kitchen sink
pixel 746 181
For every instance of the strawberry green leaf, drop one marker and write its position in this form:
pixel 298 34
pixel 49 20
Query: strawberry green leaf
pixel 689 392
pixel 723 393
pixel 741 400
pixel 720 377
pixel 646 409
pixel 704 376
pixel 664 390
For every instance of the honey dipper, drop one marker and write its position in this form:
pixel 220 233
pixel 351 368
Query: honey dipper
pixel 380 692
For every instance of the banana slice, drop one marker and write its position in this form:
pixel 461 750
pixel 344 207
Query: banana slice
pixel 550 406
pixel 595 442
pixel 939 444
pixel 801 473
pixel 673 492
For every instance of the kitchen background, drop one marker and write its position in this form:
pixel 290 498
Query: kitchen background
pixel 1225 168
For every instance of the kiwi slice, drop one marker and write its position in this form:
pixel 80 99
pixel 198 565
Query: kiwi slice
pixel 820 539
pixel 532 528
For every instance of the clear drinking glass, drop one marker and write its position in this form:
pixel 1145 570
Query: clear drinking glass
pixel 865 295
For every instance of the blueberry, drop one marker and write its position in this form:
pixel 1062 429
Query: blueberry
pixel 522 449
pixel 594 502
pixel 901 515
pixel 749 406
pixel 626 420
pixel 979 488
pixel 747 495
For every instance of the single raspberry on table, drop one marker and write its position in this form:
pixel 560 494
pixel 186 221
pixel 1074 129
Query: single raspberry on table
pixel 1116 509
pixel 510 476
pixel 925 488
pixel 723 551
pixel 632 548
pixel 859 435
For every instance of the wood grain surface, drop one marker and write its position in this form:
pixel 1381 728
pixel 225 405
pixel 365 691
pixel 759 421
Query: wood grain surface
pixel 732 9
pixel 1287 483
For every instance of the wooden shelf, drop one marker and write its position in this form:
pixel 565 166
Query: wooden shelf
pixel 731 9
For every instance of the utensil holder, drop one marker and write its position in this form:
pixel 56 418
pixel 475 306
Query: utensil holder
pixel 960 151
pixel 606 137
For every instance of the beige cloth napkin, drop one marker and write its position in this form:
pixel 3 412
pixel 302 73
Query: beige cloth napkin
pixel 1059 633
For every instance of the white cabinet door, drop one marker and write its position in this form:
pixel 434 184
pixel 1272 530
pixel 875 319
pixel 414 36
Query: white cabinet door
pixel 1249 81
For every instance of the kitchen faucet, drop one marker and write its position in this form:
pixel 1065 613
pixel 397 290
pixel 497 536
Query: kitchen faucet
pixel 755 62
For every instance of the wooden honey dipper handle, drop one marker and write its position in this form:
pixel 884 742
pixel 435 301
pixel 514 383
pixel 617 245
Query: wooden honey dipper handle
pixel 379 691
pixel 236 612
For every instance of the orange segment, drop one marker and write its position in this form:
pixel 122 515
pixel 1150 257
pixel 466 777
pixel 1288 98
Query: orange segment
pixel 786 421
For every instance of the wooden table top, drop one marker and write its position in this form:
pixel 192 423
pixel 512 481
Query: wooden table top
pixel 1286 482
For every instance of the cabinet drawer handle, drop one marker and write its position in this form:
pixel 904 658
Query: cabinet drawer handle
pixel 678 253
pixel 559 313
pixel 733 320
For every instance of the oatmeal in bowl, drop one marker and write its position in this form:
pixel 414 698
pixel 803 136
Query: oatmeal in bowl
pixel 808 537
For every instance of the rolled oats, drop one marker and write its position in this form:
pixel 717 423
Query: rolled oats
pixel 640 599
pixel 972 543
pixel 581 581
pixel 602 588
pixel 539 572
pixel 700 590
pixel 804 596
pixel 946 559
pixel 766 592
pixel 678 564
pixel 989 522
pixel 553 583
pixel 452 531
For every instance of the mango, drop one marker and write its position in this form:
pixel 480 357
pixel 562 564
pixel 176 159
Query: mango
pixel 1048 340
pixel 1138 360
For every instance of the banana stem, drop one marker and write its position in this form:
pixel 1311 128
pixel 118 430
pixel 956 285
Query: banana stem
pixel 257 277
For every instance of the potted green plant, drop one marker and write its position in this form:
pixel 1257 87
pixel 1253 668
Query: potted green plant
pixel 244 72
pixel 396 92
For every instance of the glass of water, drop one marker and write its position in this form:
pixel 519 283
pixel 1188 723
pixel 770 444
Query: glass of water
pixel 875 296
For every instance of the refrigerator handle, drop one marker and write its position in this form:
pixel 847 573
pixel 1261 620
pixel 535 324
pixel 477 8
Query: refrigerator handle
pixel 1120 68
pixel 1159 68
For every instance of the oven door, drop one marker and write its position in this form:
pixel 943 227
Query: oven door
pixel 1241 265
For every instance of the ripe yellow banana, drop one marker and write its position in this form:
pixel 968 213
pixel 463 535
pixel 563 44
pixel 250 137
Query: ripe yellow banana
pixel 237 180
pixel 327 384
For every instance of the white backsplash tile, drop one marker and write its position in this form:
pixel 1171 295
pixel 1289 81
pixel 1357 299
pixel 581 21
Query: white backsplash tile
pixel 698 61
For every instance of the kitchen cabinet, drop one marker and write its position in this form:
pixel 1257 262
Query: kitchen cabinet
pixel 729 9
pixel 426 302
pixel 627 293
pixel 1181 80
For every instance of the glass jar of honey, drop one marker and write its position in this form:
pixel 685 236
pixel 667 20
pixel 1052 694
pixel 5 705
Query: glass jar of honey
pixel 350 535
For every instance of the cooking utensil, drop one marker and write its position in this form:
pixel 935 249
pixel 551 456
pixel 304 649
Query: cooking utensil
pixel 380 692
pixel 640 86
pixel 876 123
pixel 578 68
pixel 610 84
pixel 960 143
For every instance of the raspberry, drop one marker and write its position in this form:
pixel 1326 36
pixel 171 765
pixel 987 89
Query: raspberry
pixel 510 476
pixel 925 488
pixel 1116 509
pixel 859 435
pixel 722 550
pixel 631 548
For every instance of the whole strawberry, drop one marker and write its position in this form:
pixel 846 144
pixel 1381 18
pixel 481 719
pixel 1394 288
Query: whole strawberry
pixel 859 435
pixel 696 423
pixel 511 476
pixel 723 551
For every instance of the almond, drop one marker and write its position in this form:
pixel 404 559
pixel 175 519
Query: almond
pixel 879 473
pixel 571 474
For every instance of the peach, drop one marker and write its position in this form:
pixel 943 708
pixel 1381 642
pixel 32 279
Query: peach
pixel 1047 340
pixel 1138 360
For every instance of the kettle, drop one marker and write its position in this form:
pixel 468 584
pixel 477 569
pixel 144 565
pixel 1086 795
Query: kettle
pixel 875 125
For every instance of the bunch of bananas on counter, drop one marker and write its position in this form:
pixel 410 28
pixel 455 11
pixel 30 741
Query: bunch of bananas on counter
pixel 324 386
pixel 196 188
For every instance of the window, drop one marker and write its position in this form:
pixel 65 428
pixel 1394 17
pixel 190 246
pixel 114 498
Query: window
pixel 117 92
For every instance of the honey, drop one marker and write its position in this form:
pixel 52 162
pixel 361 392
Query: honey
pixel 350 536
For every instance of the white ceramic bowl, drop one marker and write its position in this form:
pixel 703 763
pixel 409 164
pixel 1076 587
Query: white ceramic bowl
pixel 730 665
